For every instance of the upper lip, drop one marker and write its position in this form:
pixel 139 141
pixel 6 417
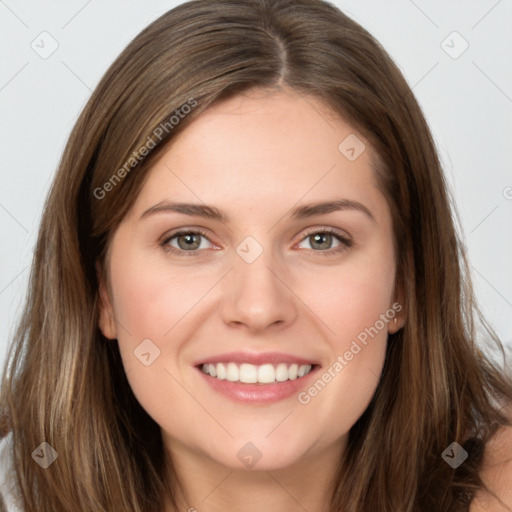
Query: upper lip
pixel 255 358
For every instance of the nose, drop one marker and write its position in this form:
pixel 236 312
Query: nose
pixel 257 296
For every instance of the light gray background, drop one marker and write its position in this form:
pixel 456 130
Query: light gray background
pixel 467 101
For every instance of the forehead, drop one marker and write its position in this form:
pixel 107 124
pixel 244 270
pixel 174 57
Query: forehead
pixel 264 148
pixel 281 124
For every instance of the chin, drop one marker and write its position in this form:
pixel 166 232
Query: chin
pixel 258 453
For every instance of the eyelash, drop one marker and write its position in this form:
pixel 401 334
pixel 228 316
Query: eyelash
pixel 345 241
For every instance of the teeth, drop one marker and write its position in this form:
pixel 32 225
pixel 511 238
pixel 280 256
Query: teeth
pixel 303 370
pixel 251 374
pixel 266 374
pixel 232 372
pixel 221 371
pixel 281 372
pixel 248 373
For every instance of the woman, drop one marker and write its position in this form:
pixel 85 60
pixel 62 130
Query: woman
pixel 248 291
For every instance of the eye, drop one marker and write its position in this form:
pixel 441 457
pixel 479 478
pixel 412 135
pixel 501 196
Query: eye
pixel 189 242
pixel 322 241
pixel 185 241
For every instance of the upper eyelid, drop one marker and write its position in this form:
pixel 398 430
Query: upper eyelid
pixel 326 229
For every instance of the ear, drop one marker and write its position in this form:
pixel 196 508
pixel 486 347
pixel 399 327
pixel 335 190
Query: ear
pixel 398 306
pixel 107 322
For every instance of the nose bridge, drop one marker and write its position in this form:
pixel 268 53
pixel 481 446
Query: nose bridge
pixel 256 295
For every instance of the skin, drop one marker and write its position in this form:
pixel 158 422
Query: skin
pixel 496 473
pixel 254 157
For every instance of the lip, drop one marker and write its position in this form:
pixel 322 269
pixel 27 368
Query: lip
pixel 255 358
pixel 257 393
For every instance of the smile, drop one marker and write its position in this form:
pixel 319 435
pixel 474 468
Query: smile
pixel 256 374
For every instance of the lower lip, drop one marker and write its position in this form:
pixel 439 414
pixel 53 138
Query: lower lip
pixel 258 393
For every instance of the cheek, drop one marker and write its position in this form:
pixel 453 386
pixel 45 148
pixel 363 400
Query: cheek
pixel 150 298
pixel 153 301
pixel 147 310
pixel 352 297
pixel 355 302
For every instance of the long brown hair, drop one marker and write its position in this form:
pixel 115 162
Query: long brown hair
pixel 64 382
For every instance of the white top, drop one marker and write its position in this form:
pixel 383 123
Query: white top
pixel 8 488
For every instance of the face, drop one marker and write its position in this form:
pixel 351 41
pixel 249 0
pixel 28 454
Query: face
pixel 252 317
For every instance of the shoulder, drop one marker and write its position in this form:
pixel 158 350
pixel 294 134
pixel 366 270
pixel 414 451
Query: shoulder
pixel 8 488
pixel 496 473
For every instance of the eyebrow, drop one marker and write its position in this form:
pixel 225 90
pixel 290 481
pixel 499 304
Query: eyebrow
pixel 300 212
